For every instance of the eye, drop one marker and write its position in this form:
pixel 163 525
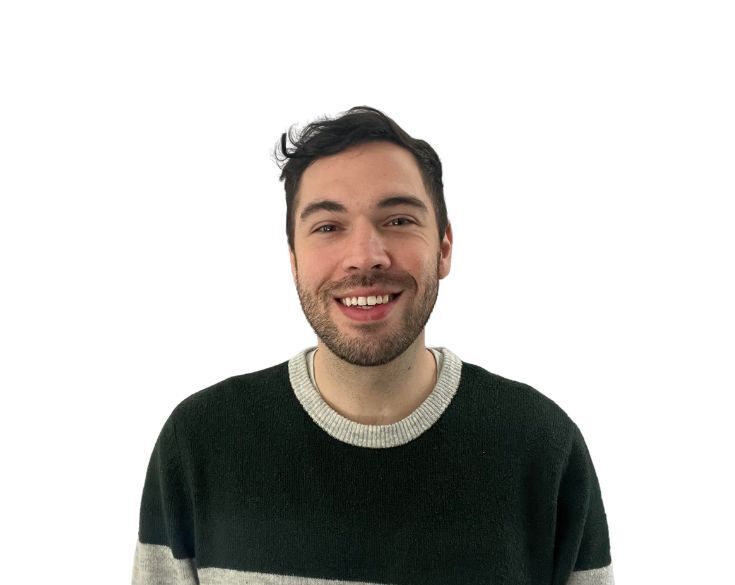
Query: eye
pixel 321 230
pixel 328 228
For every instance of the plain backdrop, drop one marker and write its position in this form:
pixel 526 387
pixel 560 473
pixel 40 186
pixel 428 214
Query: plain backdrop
pixel 588 154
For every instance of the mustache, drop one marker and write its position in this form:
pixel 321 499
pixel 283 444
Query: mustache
pixel 372 280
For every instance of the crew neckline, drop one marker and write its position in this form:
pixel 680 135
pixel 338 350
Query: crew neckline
pixel 376 436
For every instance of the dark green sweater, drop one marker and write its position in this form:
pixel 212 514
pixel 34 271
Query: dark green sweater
pixel 257 480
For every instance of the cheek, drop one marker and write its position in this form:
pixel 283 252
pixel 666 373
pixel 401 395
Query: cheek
pixel 424 266
pixel 313 275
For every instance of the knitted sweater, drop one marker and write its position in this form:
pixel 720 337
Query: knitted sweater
pixel 257 480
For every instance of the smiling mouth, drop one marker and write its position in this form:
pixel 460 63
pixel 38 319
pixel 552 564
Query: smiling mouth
pixel 367 313
pixel 368 302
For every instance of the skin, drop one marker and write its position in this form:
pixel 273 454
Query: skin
pixel 370 372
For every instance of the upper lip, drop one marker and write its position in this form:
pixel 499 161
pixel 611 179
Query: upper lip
pixel 366 292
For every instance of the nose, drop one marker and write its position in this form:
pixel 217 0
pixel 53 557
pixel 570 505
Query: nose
pixel 365 249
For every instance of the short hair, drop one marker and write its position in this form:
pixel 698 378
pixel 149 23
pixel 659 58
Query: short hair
pixel 357 125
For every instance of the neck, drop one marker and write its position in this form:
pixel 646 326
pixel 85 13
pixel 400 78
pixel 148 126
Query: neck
pixel 376 395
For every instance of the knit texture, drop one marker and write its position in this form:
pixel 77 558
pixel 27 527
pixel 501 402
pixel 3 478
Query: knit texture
pixel 257 480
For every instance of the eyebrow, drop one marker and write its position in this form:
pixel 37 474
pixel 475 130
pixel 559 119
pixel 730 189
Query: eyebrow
pixel 391 201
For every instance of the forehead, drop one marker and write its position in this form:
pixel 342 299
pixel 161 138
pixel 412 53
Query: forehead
pixel 361 175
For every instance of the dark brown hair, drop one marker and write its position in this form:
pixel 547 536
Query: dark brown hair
pixel 357 125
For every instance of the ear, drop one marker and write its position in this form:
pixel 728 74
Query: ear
pixel 445 248
pixel 294 268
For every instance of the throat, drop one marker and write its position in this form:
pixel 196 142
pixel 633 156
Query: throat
pixel 379 395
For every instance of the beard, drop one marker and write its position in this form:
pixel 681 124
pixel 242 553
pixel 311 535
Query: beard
pixel 374 343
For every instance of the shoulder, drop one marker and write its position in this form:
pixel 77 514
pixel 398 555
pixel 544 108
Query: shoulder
pixel 517 407
pixel 510 393
pixel 235 396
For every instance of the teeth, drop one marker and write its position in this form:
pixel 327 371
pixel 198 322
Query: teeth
pixel 369 301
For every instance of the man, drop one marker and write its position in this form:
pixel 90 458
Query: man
pixel 369 458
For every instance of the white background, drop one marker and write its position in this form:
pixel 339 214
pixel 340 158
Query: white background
pixel 588 155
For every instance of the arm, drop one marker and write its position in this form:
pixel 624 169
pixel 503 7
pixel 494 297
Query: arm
pixel 164 553
pixel 582 549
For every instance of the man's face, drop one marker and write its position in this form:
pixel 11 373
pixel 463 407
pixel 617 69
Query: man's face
pixel 351 240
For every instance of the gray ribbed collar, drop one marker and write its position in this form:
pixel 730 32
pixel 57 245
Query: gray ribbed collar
pixel 375 436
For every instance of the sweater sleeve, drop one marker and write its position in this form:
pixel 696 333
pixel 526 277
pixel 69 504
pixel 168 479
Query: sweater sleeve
pixel 582 548
pixel 164 553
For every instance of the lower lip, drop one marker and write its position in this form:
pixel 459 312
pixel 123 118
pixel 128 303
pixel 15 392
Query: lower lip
pixel 376 313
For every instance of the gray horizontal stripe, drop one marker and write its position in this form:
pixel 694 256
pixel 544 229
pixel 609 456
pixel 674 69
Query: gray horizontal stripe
pixel 154 564
pixel 376 436
pixel 603 576
pixel 211 576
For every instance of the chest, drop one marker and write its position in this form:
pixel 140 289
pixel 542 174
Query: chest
pixel 424 516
